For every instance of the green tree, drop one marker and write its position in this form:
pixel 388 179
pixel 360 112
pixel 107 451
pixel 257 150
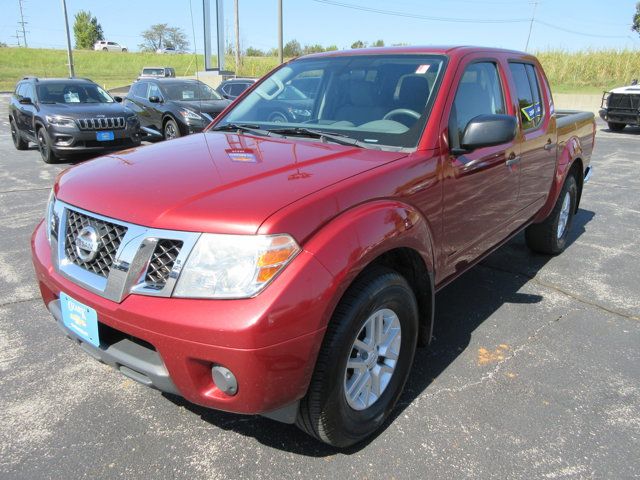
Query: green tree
pixel 292 49
pixel 331 48
pixel 312 49
pixel 254 52
pixel 378 43
pixel 636 20
pixel 86 30
pixel 358 44
pixel 161 35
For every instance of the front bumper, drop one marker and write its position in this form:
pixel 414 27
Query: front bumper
pixel 628 116
pixel 69 141
pixel 269 342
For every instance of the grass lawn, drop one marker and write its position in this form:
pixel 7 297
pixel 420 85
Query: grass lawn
pixel 568 72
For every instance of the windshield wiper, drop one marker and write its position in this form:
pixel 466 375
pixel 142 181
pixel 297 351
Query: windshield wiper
pixel 324 136
pixel 254 129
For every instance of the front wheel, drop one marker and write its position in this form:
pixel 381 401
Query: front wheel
pixel 44 146
pixel 616 127
pixel 171 129
pixel 124 49
pixel 550 236
pixel 364 360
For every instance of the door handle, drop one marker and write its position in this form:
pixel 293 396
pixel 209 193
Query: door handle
pixel 513 160
pixel 549 145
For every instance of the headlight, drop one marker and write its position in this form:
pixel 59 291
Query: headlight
pixel 51 219
pixel 300 112
pixel 189 114
pixel 234 266
pixel 61 121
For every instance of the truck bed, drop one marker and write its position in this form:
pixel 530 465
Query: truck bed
pixel 576 123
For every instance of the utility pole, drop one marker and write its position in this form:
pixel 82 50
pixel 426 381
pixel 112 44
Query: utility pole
pixel 69 53
pixel 533 18
pixel 280 53
pixel 17 36
pixel 22 23
pixel 237 37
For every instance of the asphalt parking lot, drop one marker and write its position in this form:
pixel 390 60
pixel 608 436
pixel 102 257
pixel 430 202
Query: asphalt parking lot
pixel 534 371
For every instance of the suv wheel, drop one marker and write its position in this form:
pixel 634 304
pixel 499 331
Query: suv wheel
pixel 44 145
pixel 18 141
pixel 171 129
pixel 550 236
pixel 105 49
pixel 364 360
pixel 616 127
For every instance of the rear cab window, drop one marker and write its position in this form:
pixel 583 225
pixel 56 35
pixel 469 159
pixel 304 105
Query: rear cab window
pixel 530 106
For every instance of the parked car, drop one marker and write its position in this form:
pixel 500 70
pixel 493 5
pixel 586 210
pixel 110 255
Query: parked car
pixel 232 89
pixel 69 116
pixel 290 269
pixel 157 72
pixel 174 107
pixel 107 46
pixel 168 51
pixel 621 107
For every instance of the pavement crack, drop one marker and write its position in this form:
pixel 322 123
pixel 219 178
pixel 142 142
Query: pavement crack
pixel 17 190
pixel 489 376
pixel 24 300
pixel 562 291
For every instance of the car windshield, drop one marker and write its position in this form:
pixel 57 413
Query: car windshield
pixel 72 93
pixel 190 91
pixel 153 71
pixel 379 100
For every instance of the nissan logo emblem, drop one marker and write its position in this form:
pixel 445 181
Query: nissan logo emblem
pixel 87 243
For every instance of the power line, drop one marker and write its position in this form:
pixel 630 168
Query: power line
pixel 563 29
pixel 533 18
pixel 396 13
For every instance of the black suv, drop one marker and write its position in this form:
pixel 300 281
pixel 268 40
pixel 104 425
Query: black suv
pixel 173 107
pixel 232 89
pixel 69 116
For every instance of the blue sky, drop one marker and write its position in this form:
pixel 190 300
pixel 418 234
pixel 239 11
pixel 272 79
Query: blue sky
pixel 568 24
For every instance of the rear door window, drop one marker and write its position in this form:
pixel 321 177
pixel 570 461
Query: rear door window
pixel 529 97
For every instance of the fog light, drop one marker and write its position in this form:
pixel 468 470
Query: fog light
pixel 64 140
pixel 224 380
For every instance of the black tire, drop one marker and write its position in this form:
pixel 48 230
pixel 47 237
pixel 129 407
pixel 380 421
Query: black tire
pixel 18 142
pixel 171 129
pixel 44 146
pixel 278 117
pixel 325 412
pixel 105 49
pixel 616 127
pixel 546 237
pixel 124 50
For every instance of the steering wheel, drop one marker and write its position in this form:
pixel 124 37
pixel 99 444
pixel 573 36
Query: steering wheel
pixel 401 111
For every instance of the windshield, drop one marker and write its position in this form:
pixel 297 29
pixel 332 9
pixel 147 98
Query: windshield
pixel 153 71
pixel 376 99
pixel 190 91
pixel 72 93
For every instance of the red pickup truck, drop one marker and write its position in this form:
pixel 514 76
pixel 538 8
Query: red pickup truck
pixel 286 261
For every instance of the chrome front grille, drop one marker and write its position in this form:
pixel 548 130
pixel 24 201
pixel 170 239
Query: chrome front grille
pixel 110 236
pixel 113 258
pixel 162 261
pixel 110 123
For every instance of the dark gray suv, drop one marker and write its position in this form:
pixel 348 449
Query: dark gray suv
pixel 68 116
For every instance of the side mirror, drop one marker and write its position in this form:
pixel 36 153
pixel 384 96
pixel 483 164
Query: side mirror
pixel 154 99
pixel 118 99
pixel 487 131
pixel 25 101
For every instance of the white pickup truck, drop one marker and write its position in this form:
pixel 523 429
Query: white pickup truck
pixel 621 107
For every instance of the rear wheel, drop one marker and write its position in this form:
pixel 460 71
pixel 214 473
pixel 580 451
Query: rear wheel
pixel 550 236
pixel 44 146
pixel 18 141
pixel 124 49
pixel 364 361
pixel 616 127
pixel 105 49
pixel 171 129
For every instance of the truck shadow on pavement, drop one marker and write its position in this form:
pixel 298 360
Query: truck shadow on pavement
pixel 460 308
pixel 627 130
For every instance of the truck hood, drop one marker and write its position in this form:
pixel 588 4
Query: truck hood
pixel 631 89
pixel 211 182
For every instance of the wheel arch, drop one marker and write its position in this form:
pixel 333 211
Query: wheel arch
pixel 380 233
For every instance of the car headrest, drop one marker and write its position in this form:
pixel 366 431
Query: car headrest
pixel 412 89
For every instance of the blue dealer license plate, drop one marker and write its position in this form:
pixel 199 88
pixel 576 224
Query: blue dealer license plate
pixel 105 136
pixel 80 319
